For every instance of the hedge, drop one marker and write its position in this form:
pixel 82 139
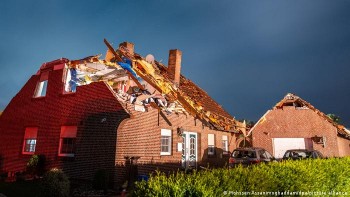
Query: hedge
pixel 55 183
pixel 312 177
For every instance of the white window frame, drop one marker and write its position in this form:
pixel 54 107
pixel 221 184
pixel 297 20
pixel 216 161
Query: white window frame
pixel 67 77
pixel 225 143
pixel 32 146
pixel 211 144
pixel 31 139
pixel 41 89
pixel 166 133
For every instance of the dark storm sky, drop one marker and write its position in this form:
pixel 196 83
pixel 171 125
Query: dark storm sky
pixel 246 54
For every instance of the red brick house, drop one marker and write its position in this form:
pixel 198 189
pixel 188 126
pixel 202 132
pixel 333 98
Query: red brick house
pixel 90 114
pixel 294 123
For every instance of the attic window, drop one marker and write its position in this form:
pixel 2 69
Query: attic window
pixel 297 104
pixel 41 87
pixel 71 80
pixel 294 103
pixel 289 104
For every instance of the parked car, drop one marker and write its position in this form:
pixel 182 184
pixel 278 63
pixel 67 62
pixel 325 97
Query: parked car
pixel 248 156
pixel 297 154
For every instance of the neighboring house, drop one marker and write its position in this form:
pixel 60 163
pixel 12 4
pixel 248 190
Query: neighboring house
pixel 90 114
pixel 295 124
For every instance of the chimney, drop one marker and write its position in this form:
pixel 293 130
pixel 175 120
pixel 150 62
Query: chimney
pixel 174 65
pixel 128 46
pixel 109 55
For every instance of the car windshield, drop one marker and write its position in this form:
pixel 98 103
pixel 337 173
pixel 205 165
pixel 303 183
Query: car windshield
pixel 299 153
pixel 243 153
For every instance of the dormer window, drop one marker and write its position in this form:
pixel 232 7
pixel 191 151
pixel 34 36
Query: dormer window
pixel 41 87
pixel 71 80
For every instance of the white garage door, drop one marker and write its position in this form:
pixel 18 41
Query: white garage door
pixel 280 145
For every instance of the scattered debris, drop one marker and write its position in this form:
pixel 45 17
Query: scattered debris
pixel 145 83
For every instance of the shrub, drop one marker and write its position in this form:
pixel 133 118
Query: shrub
pixel 55 183
pixel 327 175
pixel 101 180
pixel 36 165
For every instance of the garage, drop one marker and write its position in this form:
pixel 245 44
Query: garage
pixel 280 145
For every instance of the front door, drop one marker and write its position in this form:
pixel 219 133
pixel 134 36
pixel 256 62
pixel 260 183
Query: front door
pixel 189 150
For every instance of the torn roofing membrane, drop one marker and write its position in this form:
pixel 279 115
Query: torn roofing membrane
pixel 146 84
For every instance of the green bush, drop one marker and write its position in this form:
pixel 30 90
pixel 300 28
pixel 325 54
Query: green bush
pixel 101 180
pixel 36 165
pixel 55 183
pixel 320 175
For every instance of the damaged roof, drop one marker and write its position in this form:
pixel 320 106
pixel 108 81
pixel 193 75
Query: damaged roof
pixel 147 83
pixel 197 94
pixel 193 99
pixel 294 100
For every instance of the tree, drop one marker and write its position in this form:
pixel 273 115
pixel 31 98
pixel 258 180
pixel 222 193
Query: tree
pixel 335 118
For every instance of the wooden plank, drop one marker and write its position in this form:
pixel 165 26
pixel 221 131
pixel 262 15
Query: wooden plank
pixel 118 58
pixel 165 118
pixel 144 77
pixel 136 81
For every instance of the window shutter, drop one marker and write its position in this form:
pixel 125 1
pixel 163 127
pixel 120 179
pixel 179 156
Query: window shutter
pixel 166 132
pixel 69 131
pixel 211 139
pixel 31 133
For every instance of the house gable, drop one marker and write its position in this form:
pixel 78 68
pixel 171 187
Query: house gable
pixel 92 109
pixel 294 118
pixel 293 102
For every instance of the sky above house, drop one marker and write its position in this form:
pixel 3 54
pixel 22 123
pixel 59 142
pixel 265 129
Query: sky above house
pixel 246 54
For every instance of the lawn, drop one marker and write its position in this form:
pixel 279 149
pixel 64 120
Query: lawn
pixel 20 188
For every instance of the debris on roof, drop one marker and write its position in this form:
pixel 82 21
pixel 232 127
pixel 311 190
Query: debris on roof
pixel 146 83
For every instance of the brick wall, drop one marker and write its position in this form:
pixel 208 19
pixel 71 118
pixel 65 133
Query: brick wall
pixel 106 134
pixel 93 109
pixel 290 122
pixel 344 147
pixel 140 136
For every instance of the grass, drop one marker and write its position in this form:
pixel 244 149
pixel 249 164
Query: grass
pixel 20 188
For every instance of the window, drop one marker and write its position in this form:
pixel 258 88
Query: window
pixel 41 87
pixel 67 141
pixel 29 143
pixel 211 144
pixel 71 80
pixel 165 143
pixel 68 146
pixel 224 143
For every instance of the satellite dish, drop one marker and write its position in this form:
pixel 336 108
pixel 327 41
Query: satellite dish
pixel 150 58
